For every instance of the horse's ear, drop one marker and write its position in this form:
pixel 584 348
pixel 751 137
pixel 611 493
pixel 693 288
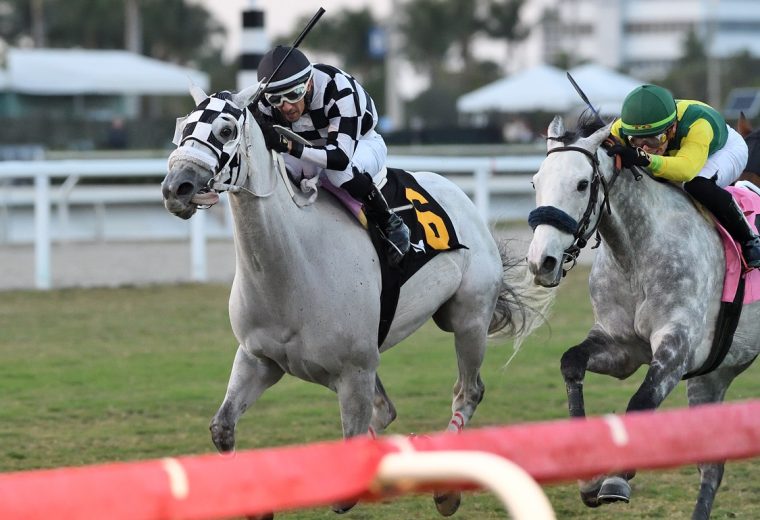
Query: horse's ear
pixel 556 129
pixel 245 96
pixel 197 93
pixel 743 126
pixel 592 142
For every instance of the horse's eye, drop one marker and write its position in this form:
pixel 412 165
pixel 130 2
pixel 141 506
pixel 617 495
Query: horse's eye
pixel 582 185
pixel 533 184
pixel 226 133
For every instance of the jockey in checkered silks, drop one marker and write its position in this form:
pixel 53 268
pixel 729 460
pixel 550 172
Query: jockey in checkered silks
pixel 328 108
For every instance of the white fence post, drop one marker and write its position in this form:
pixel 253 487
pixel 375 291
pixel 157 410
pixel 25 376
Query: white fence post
pixel 42 231
pixel 482 193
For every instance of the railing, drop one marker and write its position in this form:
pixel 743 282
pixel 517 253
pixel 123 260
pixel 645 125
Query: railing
pixel 510 460
pixel 475 175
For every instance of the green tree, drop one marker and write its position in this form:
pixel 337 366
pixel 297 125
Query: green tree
pixel 438 33
pixel 740 70
pixel 172 30
pixel 687 78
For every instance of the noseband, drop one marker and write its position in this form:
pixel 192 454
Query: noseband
pixel 581 230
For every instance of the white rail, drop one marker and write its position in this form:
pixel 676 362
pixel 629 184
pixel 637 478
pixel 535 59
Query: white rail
pixel 475 175
pixel 520 494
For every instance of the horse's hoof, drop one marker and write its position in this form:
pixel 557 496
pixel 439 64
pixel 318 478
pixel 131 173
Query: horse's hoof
pixel 590 491
pixel 614 489
pixel 590 498
pixel 267 516
pixel 222 437
pixel 447 502
pixel 343 507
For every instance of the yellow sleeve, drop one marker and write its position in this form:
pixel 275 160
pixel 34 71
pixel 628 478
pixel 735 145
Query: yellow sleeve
pixel 689 159
pixel 615 130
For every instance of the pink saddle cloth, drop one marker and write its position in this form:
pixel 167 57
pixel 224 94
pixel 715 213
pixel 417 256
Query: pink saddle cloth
pixel 735 266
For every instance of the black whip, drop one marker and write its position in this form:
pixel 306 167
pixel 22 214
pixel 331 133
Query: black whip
pixel 585 99
pixel 309 26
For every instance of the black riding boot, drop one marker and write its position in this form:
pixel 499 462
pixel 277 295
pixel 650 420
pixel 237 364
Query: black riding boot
pixel 745 236
pixel 393 229
pixel 729 214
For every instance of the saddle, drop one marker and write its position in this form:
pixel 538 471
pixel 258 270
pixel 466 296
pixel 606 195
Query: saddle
pixel 740 286
pixel 749 201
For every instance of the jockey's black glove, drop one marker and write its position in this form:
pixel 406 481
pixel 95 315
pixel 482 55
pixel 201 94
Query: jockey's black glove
pixel 630 157
pixel 273 140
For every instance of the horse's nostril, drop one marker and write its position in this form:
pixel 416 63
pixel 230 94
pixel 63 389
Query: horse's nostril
pixel 550 263
pixel 186 188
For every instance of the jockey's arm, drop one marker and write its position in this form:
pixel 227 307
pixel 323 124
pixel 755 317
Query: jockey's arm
pixel 689 159
pixel 335 154
pixel 343 133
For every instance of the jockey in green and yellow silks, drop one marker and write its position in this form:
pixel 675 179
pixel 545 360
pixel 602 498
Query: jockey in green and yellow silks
pixel 687 141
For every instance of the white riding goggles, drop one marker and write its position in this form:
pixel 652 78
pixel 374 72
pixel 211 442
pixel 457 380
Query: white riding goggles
pixel 292 95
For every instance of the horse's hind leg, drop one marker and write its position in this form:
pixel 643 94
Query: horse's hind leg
pixel 710 388
pixel 383 411
pixel 249 378
pixel 470 342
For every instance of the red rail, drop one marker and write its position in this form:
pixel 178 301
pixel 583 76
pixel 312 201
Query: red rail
pixel 260 481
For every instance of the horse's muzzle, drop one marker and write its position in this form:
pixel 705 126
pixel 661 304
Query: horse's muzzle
pixel 178 190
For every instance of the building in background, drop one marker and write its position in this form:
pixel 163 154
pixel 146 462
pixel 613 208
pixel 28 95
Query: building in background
pixel 643 37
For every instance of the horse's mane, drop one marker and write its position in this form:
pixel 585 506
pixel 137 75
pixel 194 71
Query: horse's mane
pixel 588 123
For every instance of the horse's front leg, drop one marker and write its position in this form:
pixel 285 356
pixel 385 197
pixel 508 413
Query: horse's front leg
pixel 249 378
pixel 599 354
pixel 670 347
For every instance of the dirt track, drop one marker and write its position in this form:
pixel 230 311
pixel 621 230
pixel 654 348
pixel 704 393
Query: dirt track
pixel 113 264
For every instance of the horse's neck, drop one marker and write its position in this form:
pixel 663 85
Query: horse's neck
pixel 643 212
pixel 265 217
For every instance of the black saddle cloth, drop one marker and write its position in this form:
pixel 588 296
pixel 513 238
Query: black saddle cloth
pixel 431 233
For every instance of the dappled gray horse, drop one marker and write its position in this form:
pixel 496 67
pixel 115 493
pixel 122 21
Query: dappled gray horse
pixel 656 286
pixel 306 295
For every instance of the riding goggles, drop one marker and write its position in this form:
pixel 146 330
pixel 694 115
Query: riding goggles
pixel 291 95
pixel 650 141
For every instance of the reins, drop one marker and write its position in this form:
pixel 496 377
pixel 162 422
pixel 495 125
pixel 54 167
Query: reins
pixel 581 230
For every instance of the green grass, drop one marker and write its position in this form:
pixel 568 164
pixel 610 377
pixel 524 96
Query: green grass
pixel 90 376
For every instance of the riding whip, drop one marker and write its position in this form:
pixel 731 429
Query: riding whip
pixel 296 43
pixel 584 98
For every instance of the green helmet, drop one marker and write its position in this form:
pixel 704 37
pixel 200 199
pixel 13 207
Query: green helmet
pixel 647 110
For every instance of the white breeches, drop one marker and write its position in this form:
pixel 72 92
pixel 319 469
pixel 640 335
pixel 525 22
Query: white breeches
pixel 728 162
pixel 369 156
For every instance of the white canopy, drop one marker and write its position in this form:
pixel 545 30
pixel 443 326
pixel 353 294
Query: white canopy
pixel 605 88
pixel 85 71
pixel 547 89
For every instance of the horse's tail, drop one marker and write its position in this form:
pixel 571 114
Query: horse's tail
pixel 522 305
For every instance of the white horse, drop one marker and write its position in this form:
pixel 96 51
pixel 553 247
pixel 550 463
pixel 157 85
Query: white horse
pixel 306 295
pixel 656 286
